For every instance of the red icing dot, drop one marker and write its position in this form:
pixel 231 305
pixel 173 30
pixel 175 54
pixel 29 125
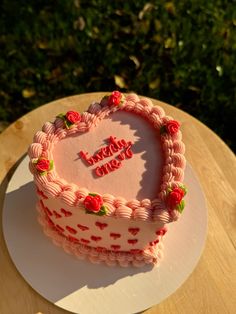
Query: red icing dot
pixel 83 228
pixel 115 235
pixel 65 212
pixel 84 241
pixel 100 225
pixel 96 239
pixel 132 241
pixel 56 214
pixel 71 230
pixel 134 231
pixel 115 247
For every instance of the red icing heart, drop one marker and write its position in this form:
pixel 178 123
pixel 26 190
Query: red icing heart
pixel 46 209
pixel 100 249
pixel 56 214
pixel 40 193
pixel 50 222
pixel 132 241
pixel 161 232
pixel 71 230
pixel 134 231
pixel 83 228
pixel 115 247
pixel 66 213
pixel 115 235
pixel 100 225
pixel 153 242
pixel 72 239
pixel 59 228
pixel 96 239
pixel 135 251
pixel 84 241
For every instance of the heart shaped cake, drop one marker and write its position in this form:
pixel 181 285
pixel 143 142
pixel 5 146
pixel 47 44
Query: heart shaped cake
pixel 109 180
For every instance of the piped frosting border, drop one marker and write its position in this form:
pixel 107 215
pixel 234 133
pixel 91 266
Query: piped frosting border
pixel 157 209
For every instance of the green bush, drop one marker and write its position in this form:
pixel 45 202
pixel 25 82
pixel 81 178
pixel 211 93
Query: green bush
pixel 181 52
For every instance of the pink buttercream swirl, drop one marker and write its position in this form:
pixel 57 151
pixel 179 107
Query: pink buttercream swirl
pixel 173 170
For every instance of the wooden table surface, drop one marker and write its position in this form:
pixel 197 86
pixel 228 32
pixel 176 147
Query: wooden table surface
pixel 211 287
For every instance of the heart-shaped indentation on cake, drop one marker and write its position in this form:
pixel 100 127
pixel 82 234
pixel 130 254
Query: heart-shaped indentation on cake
pixel 96 239
pixel 132 241
pixel 100 225
pixel 115 235
pixel 115 247
pixel 56 214
pixel 83 228
pixel 65 212
pixel 134 231
pixel 71 230
pixel 85 241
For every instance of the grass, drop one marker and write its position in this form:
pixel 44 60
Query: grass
pixel 181 52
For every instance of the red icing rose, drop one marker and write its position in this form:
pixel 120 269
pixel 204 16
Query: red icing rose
pixel 172 127
pixel 43 165
pixel 115 98
pixel 175 197
pixel 73 116
pixel 93 203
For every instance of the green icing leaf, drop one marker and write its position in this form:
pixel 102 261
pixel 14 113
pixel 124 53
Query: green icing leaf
pixel 61 116
pixel 67 124
pixel 169 190
pixel 101 212
pixel 93 194
pixel 183 187
pixel 89 212
pixel 43 173
pixel 180 207
pixel 51 165
pixel 162 130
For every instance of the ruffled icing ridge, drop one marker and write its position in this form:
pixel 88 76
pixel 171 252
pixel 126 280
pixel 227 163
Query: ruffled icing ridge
pixel 73 195
pixel 152 256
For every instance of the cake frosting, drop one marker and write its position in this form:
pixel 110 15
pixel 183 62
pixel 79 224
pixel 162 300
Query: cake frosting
pixel 110 179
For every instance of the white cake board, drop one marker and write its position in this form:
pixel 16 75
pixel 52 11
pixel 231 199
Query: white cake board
pixel 83 287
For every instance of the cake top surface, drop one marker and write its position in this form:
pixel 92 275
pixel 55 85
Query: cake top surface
pixel 122 151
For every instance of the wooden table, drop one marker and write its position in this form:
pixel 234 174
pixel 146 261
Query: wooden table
pixel 211 287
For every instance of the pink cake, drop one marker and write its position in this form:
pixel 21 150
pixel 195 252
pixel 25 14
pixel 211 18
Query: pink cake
pixel 109 180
